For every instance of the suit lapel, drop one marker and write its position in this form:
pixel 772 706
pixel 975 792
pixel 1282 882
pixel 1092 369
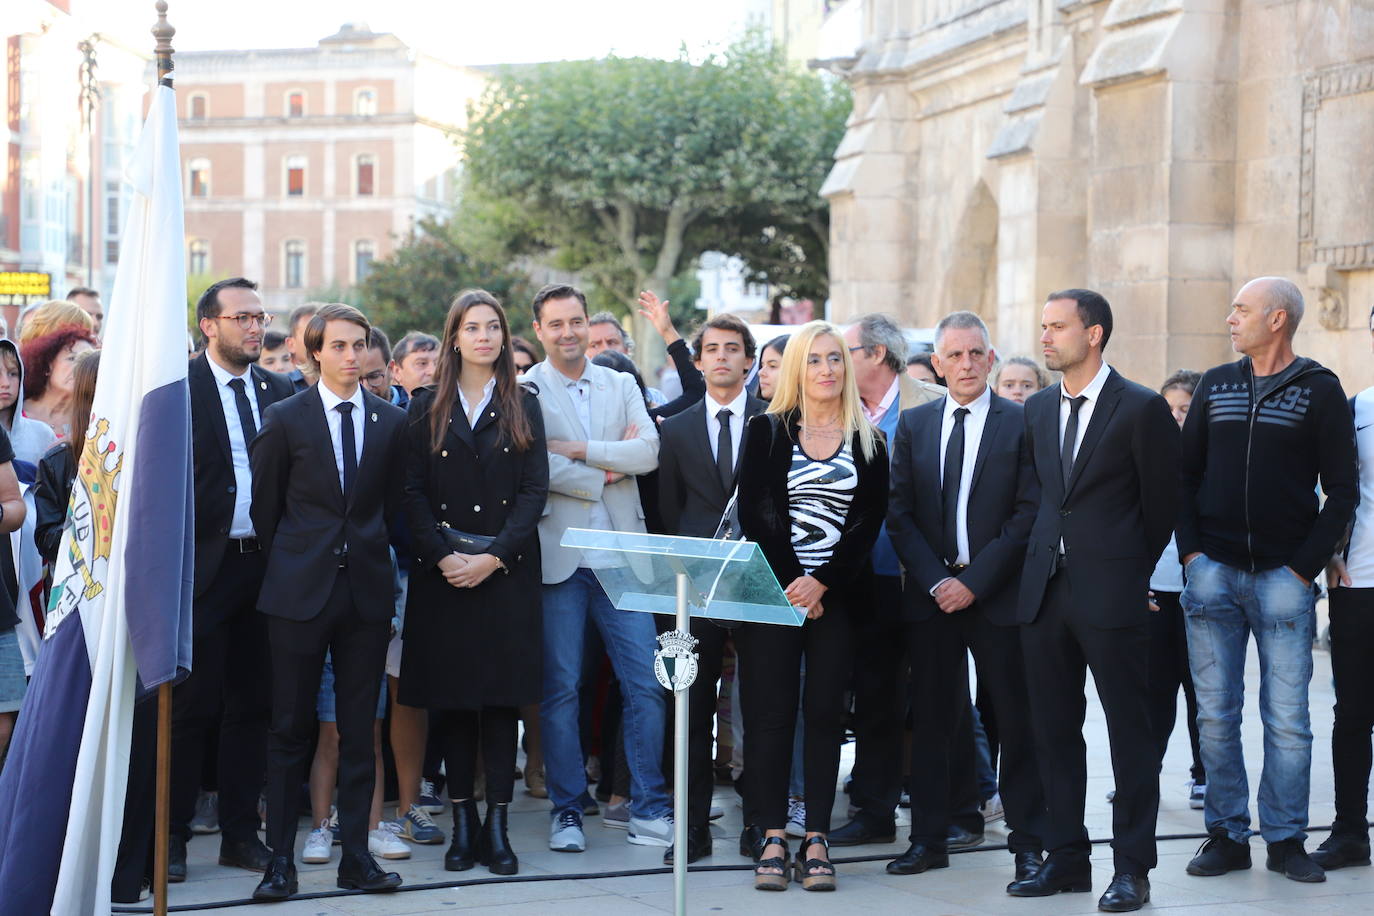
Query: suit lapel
pixel 1048 461
pixel 201 380
pixel 1102 414
pixel 930 457
pixel 701 442
pixel 261 390
pixel 458 424
pixel 556 383
pixel 372 441
pixel 990 426
pixel 315 421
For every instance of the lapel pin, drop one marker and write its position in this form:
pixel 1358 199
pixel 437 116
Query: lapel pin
pixel 262 385
pixel 374 418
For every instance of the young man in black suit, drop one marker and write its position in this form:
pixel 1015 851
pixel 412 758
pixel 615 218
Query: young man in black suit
pixel 963 497
pixel 698 455
pixel 1105 454
pixel 327 476
pixel 227 688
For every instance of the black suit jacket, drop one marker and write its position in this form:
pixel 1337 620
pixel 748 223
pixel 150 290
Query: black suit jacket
pixel 1118 510
pixel 691 497
pixel 1002 501
pixel 213 462
pixel 300 515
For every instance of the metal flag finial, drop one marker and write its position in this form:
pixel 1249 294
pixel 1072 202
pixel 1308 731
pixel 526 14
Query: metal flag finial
pixel 163 32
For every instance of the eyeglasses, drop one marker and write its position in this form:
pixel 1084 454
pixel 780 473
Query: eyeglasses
pixel 858 348
pixel 246 321
pixel 375 375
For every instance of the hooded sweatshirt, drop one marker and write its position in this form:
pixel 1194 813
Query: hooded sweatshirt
pixel 1251 461
pixel 30 438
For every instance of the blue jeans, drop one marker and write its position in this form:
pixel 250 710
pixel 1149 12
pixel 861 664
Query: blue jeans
pixel 630 641
pixel 1223 606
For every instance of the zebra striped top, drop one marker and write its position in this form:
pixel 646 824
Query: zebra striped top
pixel 819 494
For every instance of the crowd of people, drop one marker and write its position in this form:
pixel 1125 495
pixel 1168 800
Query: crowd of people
pixel 378 537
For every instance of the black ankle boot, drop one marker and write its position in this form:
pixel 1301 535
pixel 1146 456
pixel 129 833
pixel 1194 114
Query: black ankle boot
pixel 496 853
pixel 467 829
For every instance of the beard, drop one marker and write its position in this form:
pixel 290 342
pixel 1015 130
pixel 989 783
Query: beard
pixel 236 354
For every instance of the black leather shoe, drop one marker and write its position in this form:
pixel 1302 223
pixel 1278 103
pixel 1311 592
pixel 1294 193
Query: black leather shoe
pixel 467 829
pixel 494 846
pixel 1339 852
pixel 279 881
pixel 361 873
pixel 176 860
pixel 252 855
pixel 864 829
pixel 1219 855
pixel 698 845
pixel 1126 894
pixel 751 842
pixel 1027 864
pixel 918 858
pixel 1055 878
pixel 959 838
pixel 1288 858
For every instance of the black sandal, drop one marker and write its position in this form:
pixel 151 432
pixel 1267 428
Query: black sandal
pixel 765 881
pixel 824 877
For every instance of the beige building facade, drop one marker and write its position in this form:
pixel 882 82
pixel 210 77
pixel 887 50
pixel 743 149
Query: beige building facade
pixel 303 166
pixel 1160 151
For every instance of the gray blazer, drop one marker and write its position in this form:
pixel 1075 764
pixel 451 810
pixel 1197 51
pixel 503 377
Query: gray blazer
pixel 575 485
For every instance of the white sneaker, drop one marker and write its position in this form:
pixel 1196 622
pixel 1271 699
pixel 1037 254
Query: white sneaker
pixel 385 841
pixel 1197 795
pixel 565 832
pixel 319 845
pixel 656 832
pixel 796 818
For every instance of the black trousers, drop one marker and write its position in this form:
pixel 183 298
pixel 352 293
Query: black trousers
pixel 942 722
pixel 1352 652
pixel 701 699
pixel 229 692
pixel 879 720
pixel 1059 648
pixel 1168 671
pixel 770 675
pixel 463 732
pixel 358 649
pixel 134 860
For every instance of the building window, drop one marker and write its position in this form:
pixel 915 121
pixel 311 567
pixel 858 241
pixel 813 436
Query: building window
pixel 112 252
pixel 365 102
pixel 364 252
pixel 295 103
pixel 367 173
pixel 295 176
pixel 295 264
pixel 198 264
pixel 199 105
pixel 200 177
pixel 112 214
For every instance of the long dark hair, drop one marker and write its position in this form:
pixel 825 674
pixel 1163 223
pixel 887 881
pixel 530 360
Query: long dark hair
pixel 83 396
pixel 515 426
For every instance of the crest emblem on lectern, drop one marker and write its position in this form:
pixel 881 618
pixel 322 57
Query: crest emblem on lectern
pixel 675 664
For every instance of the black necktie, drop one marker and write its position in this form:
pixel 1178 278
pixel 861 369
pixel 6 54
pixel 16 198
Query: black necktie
pixel 350 446
pixel 725 459
pixel 954 472
pixel 250 429
pixel 1070 438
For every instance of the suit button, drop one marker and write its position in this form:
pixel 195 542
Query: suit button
pixel 336 551
pixel 476 508
pixel 231 489
pixel 444 453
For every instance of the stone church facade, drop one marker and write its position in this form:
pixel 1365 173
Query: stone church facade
pixel 1160 151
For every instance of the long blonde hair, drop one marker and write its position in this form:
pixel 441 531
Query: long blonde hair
pixel 789 390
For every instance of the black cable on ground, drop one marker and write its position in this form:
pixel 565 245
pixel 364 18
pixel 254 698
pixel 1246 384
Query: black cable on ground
pixel 597 875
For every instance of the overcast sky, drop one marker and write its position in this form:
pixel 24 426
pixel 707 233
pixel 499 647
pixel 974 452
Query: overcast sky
pixel 463 31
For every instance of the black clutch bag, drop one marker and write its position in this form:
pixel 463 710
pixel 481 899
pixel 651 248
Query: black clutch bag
pixel 462 542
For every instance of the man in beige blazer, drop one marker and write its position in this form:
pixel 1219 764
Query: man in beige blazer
pixel 599 437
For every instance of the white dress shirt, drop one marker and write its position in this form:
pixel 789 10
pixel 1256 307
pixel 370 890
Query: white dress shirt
pixel 974 424
pixel 736 408
pixel 1092 392
pixel 334 419
pixel 242 524
pixel 468 410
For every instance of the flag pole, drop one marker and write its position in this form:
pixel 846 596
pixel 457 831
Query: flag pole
pixel 163 32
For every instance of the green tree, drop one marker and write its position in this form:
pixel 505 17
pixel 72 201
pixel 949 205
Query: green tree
pixel 626 169
pixel 413 287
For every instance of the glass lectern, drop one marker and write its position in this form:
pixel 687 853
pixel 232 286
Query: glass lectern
pixel 685 577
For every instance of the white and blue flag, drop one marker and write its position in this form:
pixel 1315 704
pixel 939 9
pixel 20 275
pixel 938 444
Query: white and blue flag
pixel 119 620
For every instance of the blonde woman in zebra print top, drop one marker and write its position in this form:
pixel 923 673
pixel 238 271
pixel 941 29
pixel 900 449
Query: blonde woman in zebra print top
pixel 813 494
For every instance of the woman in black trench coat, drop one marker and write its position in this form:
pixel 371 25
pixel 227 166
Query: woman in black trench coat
pixel 477 466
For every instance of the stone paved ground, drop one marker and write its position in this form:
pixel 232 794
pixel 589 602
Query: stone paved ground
pixel 972 885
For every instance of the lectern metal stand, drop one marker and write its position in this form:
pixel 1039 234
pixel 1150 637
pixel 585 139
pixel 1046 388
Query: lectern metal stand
pixel 686 577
